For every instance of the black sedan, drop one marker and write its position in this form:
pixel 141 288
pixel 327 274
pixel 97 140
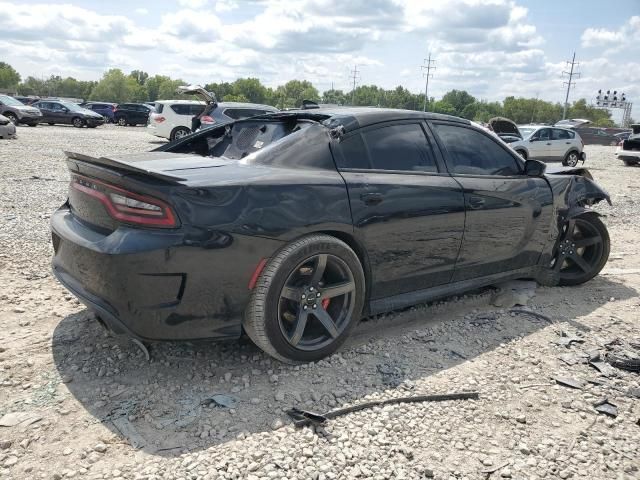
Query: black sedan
pixel 68 113
pixel 291 226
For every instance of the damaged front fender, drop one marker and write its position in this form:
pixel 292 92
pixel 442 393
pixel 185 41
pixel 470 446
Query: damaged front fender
pixel 574 192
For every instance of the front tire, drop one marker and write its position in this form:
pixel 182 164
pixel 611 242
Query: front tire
pixel 77 122
pixel 307 300
pixel 12 118
pixel 122 122
pixel 583 250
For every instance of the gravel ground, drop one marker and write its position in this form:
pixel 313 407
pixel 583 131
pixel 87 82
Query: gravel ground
pixel 84 404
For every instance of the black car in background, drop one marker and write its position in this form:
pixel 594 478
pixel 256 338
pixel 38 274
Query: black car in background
pixel 107 110
pixel 290 226
pixel 132 114
pixel 596 136
pixel 68 113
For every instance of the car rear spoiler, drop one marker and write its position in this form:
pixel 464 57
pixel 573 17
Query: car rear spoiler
pixel 122 165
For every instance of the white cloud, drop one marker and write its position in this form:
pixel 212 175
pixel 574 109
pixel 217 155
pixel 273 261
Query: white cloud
pixel 628 35
pixel 193 3
pixel 141 11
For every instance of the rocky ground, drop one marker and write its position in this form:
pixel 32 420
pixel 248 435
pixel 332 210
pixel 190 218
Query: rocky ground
pixel 78 403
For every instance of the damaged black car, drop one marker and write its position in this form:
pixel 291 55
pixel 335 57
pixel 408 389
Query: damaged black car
pixel 292 226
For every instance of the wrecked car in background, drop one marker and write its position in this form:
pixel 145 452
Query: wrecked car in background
pixel 291 226
pixel 541 142
pixel 629 150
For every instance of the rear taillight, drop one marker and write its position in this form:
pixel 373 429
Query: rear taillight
pixel 113 109
pixel 125 206
pixel 159 119
pixel 207 119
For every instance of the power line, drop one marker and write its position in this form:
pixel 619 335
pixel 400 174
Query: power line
pixel 355 77
pixel 571 74
pixel 427 66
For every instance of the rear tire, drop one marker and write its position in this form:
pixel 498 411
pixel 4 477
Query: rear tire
pixel 179 132
pixel 122 122
pixel 572 159
pixel 630 163
pixel 307 300
pixel 12 118
pixel 583 250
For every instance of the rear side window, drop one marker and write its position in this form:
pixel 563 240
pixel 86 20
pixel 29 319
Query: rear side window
pixel 196 109
pixel 396 147
pixel 558 134
pixel 474 153
pixel 181 108
pixel 159 107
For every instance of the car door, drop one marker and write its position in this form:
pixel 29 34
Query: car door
pixel 406 211
pixel 561 142
pixel 45 109
pixel 508 214
pixel 540 144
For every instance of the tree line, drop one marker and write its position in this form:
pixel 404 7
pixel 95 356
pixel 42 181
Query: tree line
pixel 138 86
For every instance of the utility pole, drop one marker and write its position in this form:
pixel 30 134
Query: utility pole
pixel 571 74
pixel 354 76
pixel 427 66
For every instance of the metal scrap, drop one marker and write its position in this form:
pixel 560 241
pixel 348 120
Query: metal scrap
pixel 606 407
pixel 142 347
pixel 570 382
pixel 128 431
pixel 220 400
pixel 302 417
pixel 624 354
pixel 566 339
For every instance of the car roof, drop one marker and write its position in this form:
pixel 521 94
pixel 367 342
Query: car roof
pixel 356 117
pixel 186 102
pixel 246 105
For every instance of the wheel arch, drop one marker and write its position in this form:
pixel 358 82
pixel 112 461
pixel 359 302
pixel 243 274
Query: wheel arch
pixel 362 255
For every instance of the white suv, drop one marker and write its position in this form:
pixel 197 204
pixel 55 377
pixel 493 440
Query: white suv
pixel 172 118
pixel 541 142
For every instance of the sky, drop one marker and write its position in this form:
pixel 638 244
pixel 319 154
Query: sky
pixel 491 48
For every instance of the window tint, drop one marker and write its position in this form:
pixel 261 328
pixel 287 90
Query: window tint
pixel 543 134
pixel 159 107
pixel 400 147
pixel 354 153
pixel 558 134
pixel 237 113
pixel 474 153
pixel 181 108
pixel 196 109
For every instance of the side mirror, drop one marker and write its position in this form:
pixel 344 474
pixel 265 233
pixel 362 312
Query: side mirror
pixel 65 109
pixel 533 139
pixel 534 168
pixel 4 122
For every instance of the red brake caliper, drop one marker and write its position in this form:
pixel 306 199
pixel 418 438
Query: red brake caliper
pixel 325 302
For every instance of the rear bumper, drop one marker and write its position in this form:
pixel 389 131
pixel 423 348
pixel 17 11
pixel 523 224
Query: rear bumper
pixel 154 284
pixel 632 155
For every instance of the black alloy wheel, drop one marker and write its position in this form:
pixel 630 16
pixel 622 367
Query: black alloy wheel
pixel 77 122
pixel 316 302
pixel 583 250
pixel 122 122
pixel 306 300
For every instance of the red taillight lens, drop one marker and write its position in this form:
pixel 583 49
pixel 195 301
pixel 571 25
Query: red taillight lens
pixel 159 119
pixel 207 119
pixel 125 206
pixel 113 109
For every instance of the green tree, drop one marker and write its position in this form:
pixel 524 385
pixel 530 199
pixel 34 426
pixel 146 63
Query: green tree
pixel 139 76
pixel 9 78
pixel 116 87
pixel 293 92
pixel 458 100
pixel 249 88
pixel 334 96
pixel 169 90
pixel 221 90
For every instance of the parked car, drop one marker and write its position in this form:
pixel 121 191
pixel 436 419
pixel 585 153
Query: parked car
pixel 542 142
pixel 107 110
pixel 7 128
pixel 26 100
pixel 57 111
pixel 223 112
pixel 132 114
pixel 629 151
pixel 572 123
pixel 292 225
pixel 18 112
pixel 596 136
pixel 623 136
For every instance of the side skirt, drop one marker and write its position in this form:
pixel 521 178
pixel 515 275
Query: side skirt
pixel 404 300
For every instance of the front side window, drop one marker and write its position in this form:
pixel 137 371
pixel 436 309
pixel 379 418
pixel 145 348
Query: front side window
pixel 558 134
pixel 474 153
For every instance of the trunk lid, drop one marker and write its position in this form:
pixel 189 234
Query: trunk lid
pixel 504 127
pixel 200 92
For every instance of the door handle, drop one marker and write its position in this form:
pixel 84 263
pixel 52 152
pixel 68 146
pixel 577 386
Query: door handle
pixel 371 199
pixel 476 202
pixel 568 143
pixel 548 143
